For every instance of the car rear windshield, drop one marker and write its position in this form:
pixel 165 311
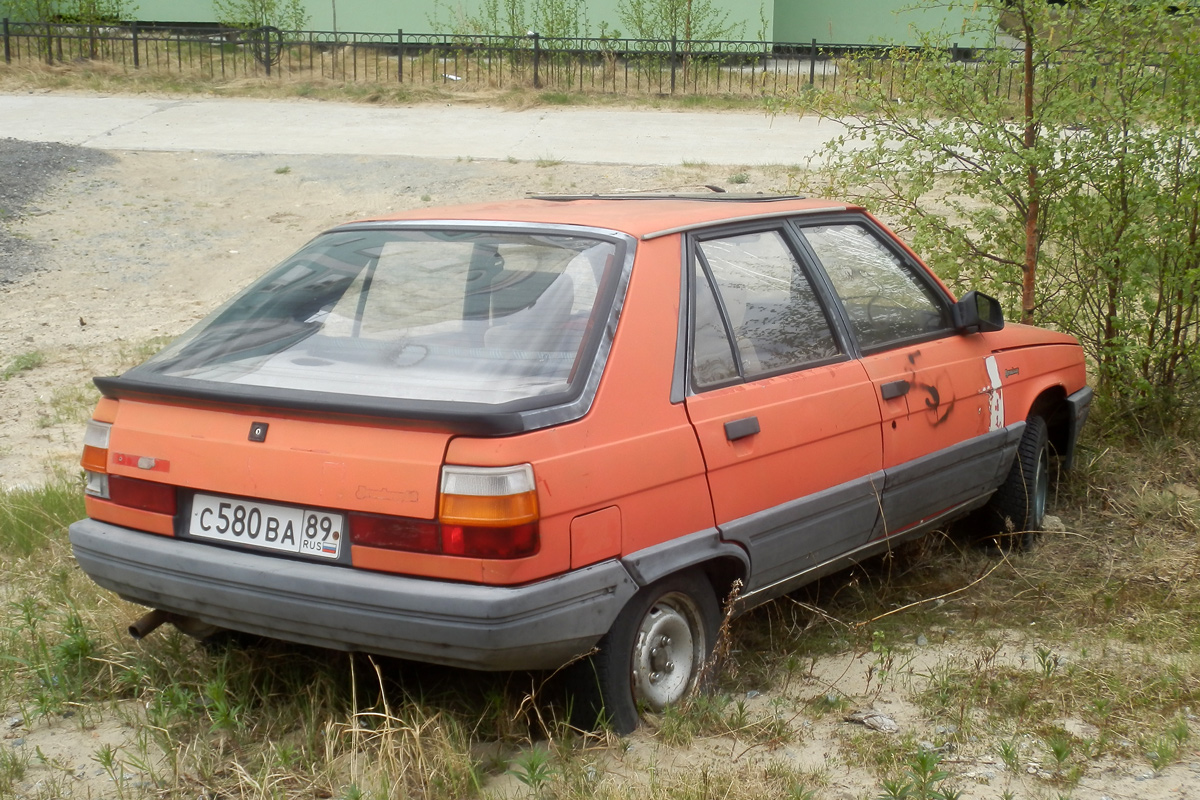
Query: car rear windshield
pixel 424 315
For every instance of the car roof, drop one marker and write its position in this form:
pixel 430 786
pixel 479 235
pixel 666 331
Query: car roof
pixel 641 215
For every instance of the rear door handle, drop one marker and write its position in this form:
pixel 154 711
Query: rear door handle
pixel 894 389
pixel 741 428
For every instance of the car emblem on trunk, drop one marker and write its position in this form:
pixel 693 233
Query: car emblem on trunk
pixel 258 431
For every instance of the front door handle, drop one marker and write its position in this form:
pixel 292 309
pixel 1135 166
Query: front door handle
pixel 894 389
pixel 741 428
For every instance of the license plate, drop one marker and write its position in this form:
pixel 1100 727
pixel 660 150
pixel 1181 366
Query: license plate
pixel 274 527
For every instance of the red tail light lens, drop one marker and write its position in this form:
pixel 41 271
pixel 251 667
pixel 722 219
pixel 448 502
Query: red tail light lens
pixel 158 498
pixel 395 533
pixel 475 541
pixel 425 536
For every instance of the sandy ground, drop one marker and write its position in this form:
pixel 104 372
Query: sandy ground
pixel 136 251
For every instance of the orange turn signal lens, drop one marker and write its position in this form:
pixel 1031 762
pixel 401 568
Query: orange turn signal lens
pixel 95 446
pixel 513 509
pixel 488 496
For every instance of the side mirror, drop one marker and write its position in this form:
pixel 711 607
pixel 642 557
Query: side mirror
pixel 976 311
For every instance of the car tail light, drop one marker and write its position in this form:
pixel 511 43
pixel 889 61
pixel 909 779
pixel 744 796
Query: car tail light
pixel 145 495
pixel 95 458
pixel 484 512
pixel 489 512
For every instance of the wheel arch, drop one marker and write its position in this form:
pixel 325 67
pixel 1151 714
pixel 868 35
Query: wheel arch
pixel 1051 405
pixel 721 562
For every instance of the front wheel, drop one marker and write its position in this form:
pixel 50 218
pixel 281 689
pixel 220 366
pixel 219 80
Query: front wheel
pixel 1014 516
pixel 653 656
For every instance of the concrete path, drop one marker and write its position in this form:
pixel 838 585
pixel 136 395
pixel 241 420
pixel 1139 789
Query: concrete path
pixel 433 131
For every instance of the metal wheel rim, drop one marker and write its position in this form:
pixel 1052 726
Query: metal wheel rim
pixel 1041 486
pixel 668 651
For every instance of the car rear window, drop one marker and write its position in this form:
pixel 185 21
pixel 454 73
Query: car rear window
pixel 427 315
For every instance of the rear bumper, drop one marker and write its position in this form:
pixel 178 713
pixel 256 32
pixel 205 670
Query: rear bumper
pixel 538 626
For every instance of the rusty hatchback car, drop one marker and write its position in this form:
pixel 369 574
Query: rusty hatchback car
pixel 504 436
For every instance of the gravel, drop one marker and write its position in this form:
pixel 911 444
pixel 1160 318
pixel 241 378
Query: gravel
pixel 27 170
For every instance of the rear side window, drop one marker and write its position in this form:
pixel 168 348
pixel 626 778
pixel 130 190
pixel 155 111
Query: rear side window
pixel 466 316
pixel 755 312
pixel 885 300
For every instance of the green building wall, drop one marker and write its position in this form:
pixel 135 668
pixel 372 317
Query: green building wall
pixel 874 21
pixel 827 21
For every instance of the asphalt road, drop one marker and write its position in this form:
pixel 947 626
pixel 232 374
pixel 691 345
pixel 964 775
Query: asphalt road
pixel 303 127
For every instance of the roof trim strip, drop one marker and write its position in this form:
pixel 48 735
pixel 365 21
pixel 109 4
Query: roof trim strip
pixel 691 226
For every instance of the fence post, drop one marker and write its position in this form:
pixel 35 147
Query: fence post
pixel 812 65
pixel 400 55
pixel 7 50
pixel 49 45
pixel 954 52
pixel 537 57
pixel 266 34
pixel 137 62
pixel 674 55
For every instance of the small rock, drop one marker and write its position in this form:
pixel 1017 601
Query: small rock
pixel 15 722
pixel 750 695
pixel 946 730
pixel 1053 524
pixel 873 720
pixel 921 640
pixel 18 742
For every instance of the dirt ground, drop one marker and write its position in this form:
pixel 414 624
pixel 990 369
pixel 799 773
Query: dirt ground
pixel 135 251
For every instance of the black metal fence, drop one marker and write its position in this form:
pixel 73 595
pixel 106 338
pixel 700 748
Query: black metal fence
pixel 450 61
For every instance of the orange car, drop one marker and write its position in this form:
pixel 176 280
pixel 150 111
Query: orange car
pixel 502 436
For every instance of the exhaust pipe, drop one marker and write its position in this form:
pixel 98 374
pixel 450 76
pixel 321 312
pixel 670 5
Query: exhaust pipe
pixel 147 623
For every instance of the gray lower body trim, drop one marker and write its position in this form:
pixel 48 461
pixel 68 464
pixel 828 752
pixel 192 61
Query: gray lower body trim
pixel 798 535
pixel 859 554
pixel 536 626
pixel 948 478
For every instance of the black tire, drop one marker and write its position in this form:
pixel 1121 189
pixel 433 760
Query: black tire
pixel 653 656
pixel 1014 515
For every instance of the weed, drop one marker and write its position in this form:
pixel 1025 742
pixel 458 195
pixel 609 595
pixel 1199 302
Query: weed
pixel 923 780
pixel 1061 748
pixel 14 763
pixel 533 768
pixel 548 161
pixel 425 198
pixel 1010 753
pixel 22 363
pixel 739 178
pixel 282 170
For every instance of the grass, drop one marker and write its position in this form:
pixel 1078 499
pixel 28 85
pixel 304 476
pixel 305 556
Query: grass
pixel 24 362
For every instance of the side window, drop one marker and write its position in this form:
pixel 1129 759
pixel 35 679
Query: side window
pixel 755 310
pixel 884 299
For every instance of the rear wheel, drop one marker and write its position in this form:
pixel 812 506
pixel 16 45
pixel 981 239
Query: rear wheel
pixel 652 657
pixel 1013 517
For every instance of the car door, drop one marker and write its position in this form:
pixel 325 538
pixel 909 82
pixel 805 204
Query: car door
pixel 942 445
pixel 786 419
